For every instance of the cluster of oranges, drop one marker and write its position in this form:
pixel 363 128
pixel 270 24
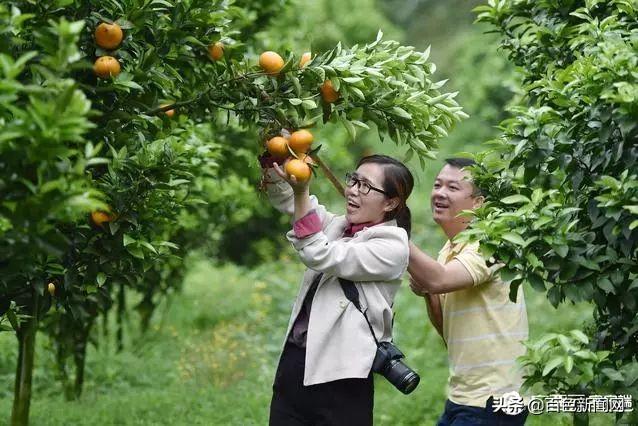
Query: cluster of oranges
pixel 272 63
pixel 294 150
pixel 107 36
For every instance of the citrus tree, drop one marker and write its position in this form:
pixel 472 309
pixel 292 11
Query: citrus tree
pixel 113 116
pixel 562 183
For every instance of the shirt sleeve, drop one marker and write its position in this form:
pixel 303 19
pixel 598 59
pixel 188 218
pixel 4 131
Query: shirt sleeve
pixel 307 225
pixel 475 264
pixel 383 257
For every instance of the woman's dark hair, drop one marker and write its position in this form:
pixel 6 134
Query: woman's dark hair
pixel 398 182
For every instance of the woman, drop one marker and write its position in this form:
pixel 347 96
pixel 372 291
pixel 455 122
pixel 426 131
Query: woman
pixel 324 373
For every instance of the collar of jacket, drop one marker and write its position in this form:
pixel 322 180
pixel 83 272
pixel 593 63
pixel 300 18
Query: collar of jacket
pixel 353 228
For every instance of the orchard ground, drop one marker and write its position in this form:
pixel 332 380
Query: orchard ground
pixel 210 356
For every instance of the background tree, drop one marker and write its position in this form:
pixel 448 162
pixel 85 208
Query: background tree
pixel 101 163
pixel 562 183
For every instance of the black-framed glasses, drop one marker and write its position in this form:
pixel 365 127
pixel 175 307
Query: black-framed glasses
pixel 363 186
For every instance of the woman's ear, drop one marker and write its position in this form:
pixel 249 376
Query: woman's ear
pixel 478 202
pixel 391 204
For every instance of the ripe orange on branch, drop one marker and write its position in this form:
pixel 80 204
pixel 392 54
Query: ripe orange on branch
pixel 328 93
pixel 278 147
pixel 216 51
pixel 299 169
pixel 271 62
pixel 169 112
pixel 305 58
pixel 108 36
pixel 99 218
pixel 300 141
pixel 106 66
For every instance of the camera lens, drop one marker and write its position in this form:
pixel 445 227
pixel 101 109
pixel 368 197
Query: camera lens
pixel 401 376
pixel 410 382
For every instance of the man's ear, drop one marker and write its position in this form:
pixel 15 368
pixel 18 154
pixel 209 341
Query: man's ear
pixel 393 203
pixel 478 202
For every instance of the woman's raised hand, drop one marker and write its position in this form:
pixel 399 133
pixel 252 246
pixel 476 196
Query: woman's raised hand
pixel 297 186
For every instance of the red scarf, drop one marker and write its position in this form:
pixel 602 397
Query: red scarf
pixel 353 228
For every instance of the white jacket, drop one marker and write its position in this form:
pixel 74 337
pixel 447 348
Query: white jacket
pixel 339 344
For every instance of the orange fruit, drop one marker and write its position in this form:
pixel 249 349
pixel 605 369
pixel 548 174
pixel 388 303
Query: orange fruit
pixel 299 169
pixel 271 62
pixel 51 289
pixel 108 36
pixel 300 141
pixel 216 51
pixel 106 66
pixel 99 218
pixel 305 58
pixel 169 112
pixel 278 146
pixel 328 93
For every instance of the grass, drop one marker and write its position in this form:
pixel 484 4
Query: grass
pixel 210 357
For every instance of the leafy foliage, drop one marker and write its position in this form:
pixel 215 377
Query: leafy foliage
pixel 143 149
pixel 560 180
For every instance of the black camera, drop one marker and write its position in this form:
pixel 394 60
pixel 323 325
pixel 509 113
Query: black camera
pixel 387 362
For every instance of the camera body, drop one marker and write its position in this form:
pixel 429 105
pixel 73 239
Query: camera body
pixel 387 362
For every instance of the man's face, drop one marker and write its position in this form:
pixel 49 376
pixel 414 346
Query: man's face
pixel 451 194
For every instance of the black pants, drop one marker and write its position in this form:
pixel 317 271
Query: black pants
pixel 465 415
pixel 341 402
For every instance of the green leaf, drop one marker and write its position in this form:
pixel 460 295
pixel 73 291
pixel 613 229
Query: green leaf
pixel 515 199
pixel 606 285
pixel 580 336
pixel 401 113
pixel 352 131
pixel 309 104
pixel 128 240
pixel 148 246
pixel 613 374
pixel 552 364
pixel 101 278
pixel 513 238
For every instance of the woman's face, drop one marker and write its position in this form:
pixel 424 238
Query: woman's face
pixel 370 207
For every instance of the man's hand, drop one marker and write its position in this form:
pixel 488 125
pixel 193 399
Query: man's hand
pixel 416 288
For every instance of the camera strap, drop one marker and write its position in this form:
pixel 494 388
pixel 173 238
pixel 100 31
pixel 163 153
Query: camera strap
pixel 352 294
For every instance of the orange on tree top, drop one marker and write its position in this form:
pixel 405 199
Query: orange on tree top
pixel 305 58
pixel 278 147
pixel 271 62
pixel 300 140
pixel 328 93
pixel 299 169
pixel 108 36
pixel 106 66
pixel 216 51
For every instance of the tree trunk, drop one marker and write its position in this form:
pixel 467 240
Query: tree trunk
pixel 121 309
pixel 79 356
pixel 24 370
pixel 63 374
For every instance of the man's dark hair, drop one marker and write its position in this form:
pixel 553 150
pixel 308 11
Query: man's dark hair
pixel 460 163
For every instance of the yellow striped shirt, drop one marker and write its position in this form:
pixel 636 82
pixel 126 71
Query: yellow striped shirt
pixel 483 330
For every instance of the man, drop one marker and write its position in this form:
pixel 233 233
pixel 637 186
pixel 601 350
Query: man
pixel 469 306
